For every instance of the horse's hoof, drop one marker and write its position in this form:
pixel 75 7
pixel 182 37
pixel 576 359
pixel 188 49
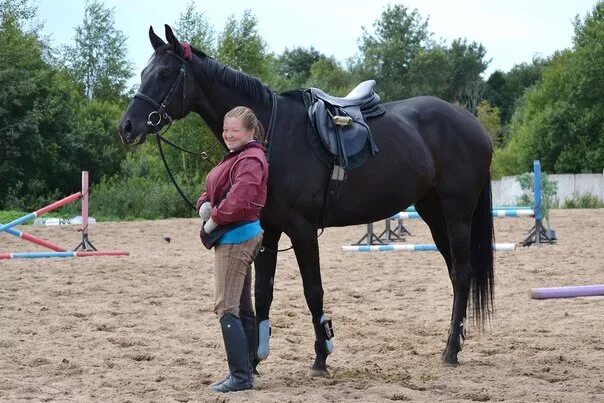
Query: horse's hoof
pixel 318 373
pixel 450 361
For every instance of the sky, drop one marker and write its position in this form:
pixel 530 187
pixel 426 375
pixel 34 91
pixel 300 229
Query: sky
pixel 512 31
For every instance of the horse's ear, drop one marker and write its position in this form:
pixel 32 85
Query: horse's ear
pixel 175 45
pixel 156 41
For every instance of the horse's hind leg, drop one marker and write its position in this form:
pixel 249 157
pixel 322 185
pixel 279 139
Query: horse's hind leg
pixel 459 229
pixel 451 235
pixel 431 211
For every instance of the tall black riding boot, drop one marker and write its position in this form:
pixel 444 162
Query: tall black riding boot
pixel 235 344
pixel 251 333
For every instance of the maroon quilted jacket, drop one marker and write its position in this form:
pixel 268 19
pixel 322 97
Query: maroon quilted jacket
pixel 244 173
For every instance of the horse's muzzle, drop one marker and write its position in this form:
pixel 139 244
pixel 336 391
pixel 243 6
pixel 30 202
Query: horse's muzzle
pixel 128 135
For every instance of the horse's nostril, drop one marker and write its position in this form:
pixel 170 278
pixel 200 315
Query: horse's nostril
pixel 125 131
pixel 128 127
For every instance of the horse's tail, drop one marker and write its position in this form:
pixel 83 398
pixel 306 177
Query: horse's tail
pixel 482 256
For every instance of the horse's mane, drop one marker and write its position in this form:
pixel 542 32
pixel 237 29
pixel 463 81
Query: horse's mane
pixel 231 77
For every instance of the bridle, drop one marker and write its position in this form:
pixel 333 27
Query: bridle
pixel 160 114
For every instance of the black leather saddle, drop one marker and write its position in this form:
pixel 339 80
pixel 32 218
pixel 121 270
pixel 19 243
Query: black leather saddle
pixel 341 122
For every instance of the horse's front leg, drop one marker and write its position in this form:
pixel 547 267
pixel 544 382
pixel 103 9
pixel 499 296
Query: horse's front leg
pixel 306 247
pixel 265 265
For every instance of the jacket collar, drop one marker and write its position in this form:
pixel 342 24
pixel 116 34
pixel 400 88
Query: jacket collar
pixel 251 144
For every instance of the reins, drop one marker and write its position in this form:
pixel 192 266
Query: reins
pixel 204 154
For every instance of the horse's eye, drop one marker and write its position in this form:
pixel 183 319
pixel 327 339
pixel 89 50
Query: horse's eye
pixel 163 74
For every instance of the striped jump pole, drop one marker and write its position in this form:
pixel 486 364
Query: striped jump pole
pixel 41 211
pixel 494 213
pixel 65 254
pixel 411 209
pixel 413 247
pixel 406 215
pixel 35 239
pixel 568 292
pixel 512 213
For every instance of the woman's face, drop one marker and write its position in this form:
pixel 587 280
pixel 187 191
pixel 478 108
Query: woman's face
pixel 235 134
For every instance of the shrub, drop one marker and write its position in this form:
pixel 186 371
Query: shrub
pixel 583 201
pixel 10 215
pixel 549 189
pixel 141 198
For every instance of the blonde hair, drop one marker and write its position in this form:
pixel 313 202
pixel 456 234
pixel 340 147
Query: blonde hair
pixel 249 120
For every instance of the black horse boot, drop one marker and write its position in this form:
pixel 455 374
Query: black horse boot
pixel 235 344
pixel 251 334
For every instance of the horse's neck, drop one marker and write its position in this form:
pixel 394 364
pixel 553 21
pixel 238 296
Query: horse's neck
pixel 218 96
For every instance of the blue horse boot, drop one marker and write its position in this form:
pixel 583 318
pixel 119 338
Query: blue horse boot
pixel 235 344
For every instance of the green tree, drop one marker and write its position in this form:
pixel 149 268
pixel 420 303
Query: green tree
pixel 45 133
pixel 193 27
pixel 36 110
pixel 295 65
pixel 21 68
pixel 98 59
pixel 489 117
pixel 97 147
pixel 467 63
pixel 430 74
pixel 328 75
pixel 562 118
pixel 241 47
pixel 387 54
pixel 503 89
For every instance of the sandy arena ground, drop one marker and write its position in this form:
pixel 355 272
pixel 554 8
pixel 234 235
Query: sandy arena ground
pixel 141 328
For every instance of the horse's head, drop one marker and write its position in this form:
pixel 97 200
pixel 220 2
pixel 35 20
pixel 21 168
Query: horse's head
pixel 162 94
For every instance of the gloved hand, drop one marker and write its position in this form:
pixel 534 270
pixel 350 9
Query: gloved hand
pixel 205 211
pixel 209 226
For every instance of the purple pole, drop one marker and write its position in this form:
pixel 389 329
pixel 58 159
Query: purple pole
pixel 567 292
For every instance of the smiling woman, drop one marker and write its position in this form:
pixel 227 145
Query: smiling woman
pixel 230 209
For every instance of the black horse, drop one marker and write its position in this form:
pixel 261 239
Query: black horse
pixel 431 154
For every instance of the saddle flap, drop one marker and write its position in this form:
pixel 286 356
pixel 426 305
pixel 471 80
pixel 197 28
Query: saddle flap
pixel 339 140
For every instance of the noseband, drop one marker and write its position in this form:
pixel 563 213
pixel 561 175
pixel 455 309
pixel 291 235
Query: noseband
pixel 155 117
